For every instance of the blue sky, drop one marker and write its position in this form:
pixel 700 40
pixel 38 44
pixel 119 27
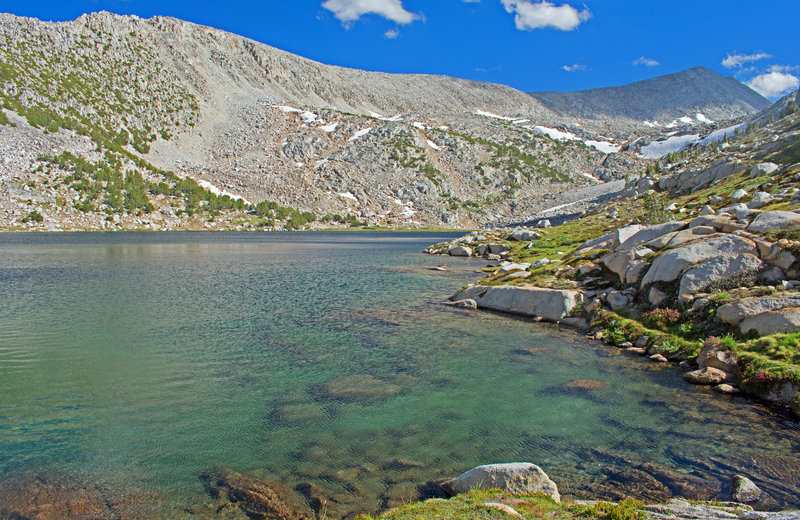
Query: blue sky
pixel 527 44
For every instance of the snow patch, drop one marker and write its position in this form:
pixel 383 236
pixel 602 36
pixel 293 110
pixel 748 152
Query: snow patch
pixel 417 124
pixel 309 117
pixel 407 213
pixel 603 146
pixel 721 134
pixel 494 116
pixel 219 192
pixel 287 110
pixel 702 118
pixel 321 163
pixel 433 145
pixel 360 134
pixel 329 128
pixel 687 120
pixel 658 149
pixel 557 135
pixel 349 195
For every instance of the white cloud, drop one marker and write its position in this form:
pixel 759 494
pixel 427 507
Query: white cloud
pixel 348 11
pixel 574 67
pixel 392 34
pixel 647 62
pixel 781 68
pixel 737 60
pixel 774 84
pixel 537 15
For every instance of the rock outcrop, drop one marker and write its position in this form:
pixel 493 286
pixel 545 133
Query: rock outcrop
pixel 517 478
pixel 548 304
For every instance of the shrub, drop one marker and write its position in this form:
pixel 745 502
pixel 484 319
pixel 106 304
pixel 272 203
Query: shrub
pixel 33 216
pixel 661 318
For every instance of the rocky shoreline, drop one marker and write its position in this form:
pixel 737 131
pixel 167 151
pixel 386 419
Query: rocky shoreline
pixel 505 488
pixel 716 292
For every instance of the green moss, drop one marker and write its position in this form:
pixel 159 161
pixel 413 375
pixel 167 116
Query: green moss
pixel 781 348
pixel 618 329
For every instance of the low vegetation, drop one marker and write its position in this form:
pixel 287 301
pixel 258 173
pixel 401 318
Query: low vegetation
pixel 472 506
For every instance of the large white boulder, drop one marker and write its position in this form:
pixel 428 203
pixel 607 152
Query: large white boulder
pixel 523 235
pixel 622 234
pixel 763 169
pixel 669 266
pixel 773 322
pixel 517 478
pixel 736 312
pixel 460 251
pixel 775 221
pixel 647 234
pixel 718 268
pixel 549 304
pixel 507 268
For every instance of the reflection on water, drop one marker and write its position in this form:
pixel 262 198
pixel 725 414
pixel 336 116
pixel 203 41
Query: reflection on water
pixel 327 359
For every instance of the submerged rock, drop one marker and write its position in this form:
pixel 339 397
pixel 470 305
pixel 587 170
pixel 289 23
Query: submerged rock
pixel 56 497
pixel 357 388
pixel 518 478
pixel 259 500
pixel 465 304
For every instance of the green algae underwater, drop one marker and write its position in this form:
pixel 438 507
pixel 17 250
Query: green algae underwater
pixel 146 359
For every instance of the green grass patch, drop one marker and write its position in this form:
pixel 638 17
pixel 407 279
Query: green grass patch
pixel 470 506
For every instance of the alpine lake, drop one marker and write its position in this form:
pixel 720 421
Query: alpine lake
pixel 141 361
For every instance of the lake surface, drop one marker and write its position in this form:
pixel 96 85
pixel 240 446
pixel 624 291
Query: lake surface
pixel 145 359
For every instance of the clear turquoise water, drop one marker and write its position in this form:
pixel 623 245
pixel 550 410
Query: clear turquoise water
pixel 154 357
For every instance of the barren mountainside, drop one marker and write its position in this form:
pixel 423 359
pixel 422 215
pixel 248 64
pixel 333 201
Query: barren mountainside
pixel 161 117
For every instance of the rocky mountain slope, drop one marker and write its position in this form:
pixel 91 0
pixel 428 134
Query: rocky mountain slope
pixel 171 125
pixel 663 99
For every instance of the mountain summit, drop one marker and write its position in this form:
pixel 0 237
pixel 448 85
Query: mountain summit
pixel 663 98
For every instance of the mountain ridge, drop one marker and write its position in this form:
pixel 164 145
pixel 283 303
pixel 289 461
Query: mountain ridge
pixel 703 90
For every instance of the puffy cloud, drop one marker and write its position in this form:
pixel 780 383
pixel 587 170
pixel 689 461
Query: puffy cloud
pixel 392 34
pixel 348 11
pixel 738 60
pixel 647 62
pixel 774 84
pixel 537 15
pixel 574 67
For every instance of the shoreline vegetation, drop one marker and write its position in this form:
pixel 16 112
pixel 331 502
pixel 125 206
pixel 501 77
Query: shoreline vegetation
pixel 713 293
